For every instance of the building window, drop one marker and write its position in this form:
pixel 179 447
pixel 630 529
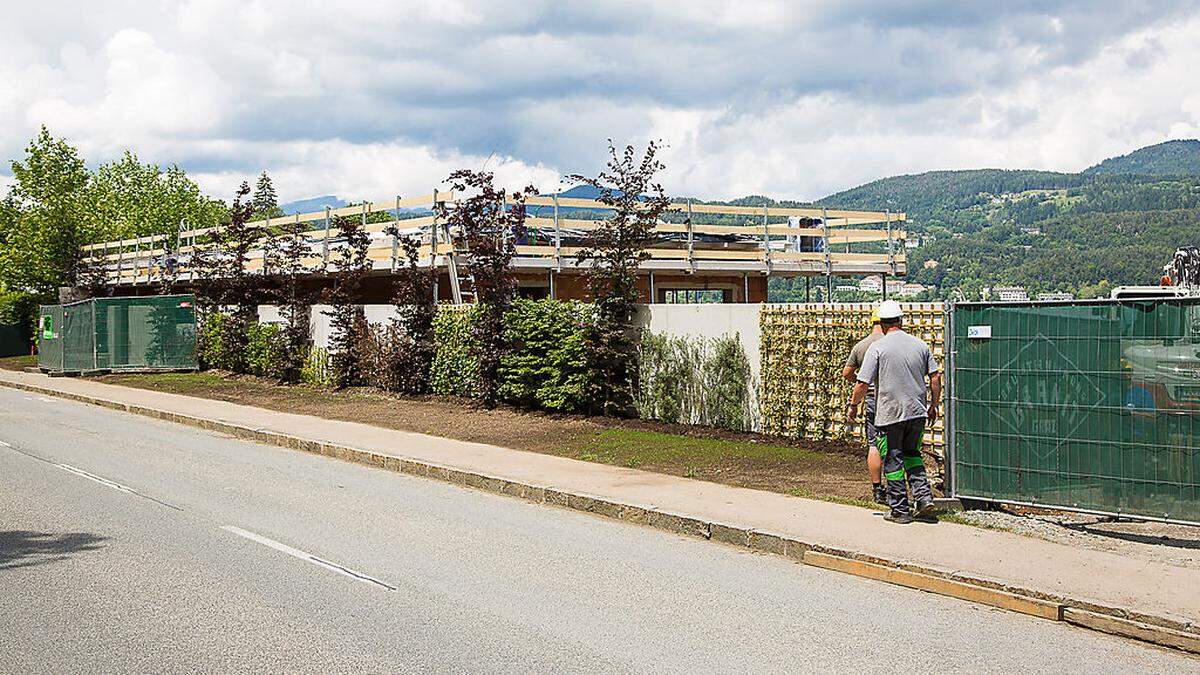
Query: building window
pixel 695 296
pixel 533 292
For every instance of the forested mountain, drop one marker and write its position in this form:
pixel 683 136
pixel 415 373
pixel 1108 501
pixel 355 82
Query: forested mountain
pixel 1171 158
pixel 1079 232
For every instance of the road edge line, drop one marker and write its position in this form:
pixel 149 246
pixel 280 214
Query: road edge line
pixel 1114 621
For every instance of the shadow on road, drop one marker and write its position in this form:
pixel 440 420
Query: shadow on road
pixel 22 548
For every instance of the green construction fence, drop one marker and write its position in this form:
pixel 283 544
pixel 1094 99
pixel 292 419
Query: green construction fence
pixel 129 333
pixel 1088 405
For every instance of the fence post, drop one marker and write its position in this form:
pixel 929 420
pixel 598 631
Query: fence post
pixel 766 241
pixel 891 248
pixel 325 245
pixel 828 258
pixel 557 244
pixel 365 206
pixel 949 416
pixel 433 246
pixel 690 239
pixel 396 235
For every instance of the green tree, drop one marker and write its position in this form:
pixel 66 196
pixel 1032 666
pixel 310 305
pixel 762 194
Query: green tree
pixel 129 199
pixel 264 201
pixel 613 252
pixel 44 222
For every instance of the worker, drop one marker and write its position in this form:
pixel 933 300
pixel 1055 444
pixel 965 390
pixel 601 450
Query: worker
pixel 876 443
pixel 897 364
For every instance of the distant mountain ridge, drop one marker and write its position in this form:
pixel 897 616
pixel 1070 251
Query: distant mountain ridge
pixel 312 204
pixel 1172 158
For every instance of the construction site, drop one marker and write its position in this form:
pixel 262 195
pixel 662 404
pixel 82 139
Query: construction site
pixel 702 252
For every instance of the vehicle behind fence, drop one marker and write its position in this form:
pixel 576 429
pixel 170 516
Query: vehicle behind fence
pixel 1088 405
pixel 129 333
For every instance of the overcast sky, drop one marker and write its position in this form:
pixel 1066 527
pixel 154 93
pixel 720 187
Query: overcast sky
pixel 790 99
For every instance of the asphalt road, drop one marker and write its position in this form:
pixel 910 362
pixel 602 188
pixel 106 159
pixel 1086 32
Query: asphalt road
pixel 128 544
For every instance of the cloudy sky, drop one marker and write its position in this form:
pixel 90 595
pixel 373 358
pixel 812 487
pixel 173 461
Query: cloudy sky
pixel 792 99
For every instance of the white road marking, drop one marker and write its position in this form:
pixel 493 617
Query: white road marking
pixel 4 445
pixel 307 557
pixel 47 400
pixel 91 476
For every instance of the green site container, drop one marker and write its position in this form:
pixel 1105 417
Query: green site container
pixel 1091 405
pixel 131 333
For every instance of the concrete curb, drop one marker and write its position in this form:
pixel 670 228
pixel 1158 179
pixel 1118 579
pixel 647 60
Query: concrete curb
pixel 1124 622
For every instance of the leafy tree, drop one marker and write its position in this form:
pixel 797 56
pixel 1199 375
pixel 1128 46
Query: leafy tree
pixel 416 308
pixel 348 323
pixel 266 204
pixel 129 199
pixel 43 218
pixel 612 254
pixel 286 256
pixel 490 223
pixel 230 287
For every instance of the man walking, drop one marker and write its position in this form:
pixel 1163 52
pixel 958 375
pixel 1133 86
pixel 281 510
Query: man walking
pixel 897 364
pixel 875 440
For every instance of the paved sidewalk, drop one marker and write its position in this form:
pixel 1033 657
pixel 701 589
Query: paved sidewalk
pixel 1116 585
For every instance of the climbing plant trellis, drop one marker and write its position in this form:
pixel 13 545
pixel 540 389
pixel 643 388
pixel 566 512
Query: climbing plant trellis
pixel 804 348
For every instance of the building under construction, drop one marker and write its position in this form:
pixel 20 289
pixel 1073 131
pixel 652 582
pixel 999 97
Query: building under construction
pixel 701 253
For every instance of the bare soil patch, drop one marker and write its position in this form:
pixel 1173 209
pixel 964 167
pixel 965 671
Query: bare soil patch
pixel 823 469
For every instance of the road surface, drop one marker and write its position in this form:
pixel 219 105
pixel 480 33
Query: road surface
pixel 130 544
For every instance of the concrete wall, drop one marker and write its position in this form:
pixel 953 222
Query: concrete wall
pixel 708 321
pixel 376 314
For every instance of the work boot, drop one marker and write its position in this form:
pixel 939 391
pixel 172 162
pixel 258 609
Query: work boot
pixel 879 494
pixel 898 518
pixel 924 508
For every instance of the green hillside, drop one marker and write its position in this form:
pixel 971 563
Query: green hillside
pixel 1078 232
pixel 1171 158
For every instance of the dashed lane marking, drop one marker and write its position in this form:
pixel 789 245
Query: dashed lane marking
pixel 305 556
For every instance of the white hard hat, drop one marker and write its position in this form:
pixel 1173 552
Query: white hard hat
pixel 890 309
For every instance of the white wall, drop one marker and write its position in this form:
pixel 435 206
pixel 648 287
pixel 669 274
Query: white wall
pixel 376 314
pixel 708 321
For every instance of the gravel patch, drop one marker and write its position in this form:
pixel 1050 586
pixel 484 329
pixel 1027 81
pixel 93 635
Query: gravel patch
pixel 1158 542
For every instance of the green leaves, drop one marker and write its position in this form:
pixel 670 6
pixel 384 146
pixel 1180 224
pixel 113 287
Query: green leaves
pixel 693 380
pixel 57 205
pixel 455 370
pixel 545 365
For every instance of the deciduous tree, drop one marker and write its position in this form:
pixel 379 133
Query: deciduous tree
pixel 612 256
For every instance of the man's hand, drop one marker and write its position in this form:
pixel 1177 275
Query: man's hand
pixel 851 413
pixel 933 413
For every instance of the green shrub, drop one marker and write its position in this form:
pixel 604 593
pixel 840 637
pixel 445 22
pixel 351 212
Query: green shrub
pixel 317 370
pixel 454 371
pixel 211 345
pixel 266 350
pixel 19 309
pixel 693 380
pixel 545 364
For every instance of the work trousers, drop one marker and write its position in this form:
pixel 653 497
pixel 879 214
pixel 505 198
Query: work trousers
pixel 902 464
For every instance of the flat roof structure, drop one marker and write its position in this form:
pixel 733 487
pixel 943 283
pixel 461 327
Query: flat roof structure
pixel 694 239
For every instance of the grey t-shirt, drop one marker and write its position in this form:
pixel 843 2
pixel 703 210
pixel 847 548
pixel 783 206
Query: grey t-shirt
pixel 857 353
pixel 897 365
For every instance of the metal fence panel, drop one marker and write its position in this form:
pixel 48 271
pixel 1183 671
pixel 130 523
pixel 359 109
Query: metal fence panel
pixel 155 332
pixel 1092 406
pixel 49 337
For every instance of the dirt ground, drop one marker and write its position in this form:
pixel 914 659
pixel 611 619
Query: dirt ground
pixel 822 469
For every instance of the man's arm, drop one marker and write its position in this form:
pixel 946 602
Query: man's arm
pixel 856 399
pixel 863 380
pixel 849 372
pixel 935 395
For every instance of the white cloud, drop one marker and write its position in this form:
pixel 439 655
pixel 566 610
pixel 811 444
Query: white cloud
pixel 791 99
pixel 369 171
